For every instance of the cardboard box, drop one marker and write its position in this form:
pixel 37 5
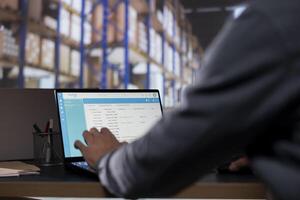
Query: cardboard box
pixel 47 54
pixel 87 33
pixel 75 63
pixel 75 28
pixel 33 45
pixel 142 36
pixel 64 59
pixel 9 4
pixel 97 21
pixel 8 46
pixel 132 23
pixel 69 2
pixel 65 25
pixel 50 22
pixel 35 9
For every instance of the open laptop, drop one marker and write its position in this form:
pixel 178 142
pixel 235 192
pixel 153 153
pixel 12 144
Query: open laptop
pixel 129 114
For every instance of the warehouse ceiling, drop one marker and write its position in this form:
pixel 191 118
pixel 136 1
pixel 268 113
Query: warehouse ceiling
pixel 208 16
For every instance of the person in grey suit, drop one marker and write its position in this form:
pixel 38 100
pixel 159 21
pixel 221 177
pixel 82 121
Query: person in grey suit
pixel 246 99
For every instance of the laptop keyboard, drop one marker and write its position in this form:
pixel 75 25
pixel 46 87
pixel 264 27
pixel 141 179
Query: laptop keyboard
pixel 83 165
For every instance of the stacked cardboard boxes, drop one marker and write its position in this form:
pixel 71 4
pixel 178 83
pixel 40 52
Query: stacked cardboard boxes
pixel 168 20
pixel 177 64
pixel 47 54
pixel 33 46
pixel 142 37
pixel 97 24
pixel 35 7
pixel 65 24
pixel 9 4
pixel 75 27
pixel 132 23
pixel 8 46
pixel 64 59
pixel 168 57
pixel 75 63
pixel 155 46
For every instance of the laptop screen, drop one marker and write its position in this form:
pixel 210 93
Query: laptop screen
pixel 129 115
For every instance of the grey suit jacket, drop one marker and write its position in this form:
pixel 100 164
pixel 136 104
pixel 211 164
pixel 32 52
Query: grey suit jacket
pixel 246 98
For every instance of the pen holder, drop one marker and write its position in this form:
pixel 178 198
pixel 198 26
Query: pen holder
pixel 44 151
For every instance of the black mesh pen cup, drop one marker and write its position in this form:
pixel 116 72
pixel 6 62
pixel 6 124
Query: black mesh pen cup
pixel 45 153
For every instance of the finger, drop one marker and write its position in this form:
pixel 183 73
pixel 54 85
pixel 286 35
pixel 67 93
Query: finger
pixel 236 165
pixel 105 130
pixel 88 137
pixel 94 130
pixel 80 146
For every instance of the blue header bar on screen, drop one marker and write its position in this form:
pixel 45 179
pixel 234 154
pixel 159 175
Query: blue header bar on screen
pixel 120 100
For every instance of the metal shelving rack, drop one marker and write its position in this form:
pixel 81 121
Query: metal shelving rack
pixel 168 77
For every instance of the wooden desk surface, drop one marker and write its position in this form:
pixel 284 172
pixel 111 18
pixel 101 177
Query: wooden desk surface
pixel 56 181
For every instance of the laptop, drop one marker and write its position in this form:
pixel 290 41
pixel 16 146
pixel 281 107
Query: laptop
pixel 129 114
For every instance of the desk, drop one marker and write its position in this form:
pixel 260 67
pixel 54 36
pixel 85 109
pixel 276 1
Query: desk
pixel 56 181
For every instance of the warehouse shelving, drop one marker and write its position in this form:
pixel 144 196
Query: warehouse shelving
pixel 132 54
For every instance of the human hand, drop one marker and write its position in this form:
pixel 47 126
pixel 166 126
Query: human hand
pixel 238 164
pixel 98 143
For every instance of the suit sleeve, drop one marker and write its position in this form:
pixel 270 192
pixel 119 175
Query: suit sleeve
pixel 238 95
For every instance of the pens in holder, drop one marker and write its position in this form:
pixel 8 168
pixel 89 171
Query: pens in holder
pixel 50 140
pixel 44 151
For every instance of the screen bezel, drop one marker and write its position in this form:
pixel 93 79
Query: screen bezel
pixel 56 91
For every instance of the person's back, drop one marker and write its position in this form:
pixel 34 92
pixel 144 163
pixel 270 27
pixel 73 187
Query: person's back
pixel 246 98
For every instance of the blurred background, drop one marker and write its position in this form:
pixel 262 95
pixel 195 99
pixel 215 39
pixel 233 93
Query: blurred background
pixel 108 44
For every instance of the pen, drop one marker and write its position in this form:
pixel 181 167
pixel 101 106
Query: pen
pixel 37 128
pixel 47 127
pixel 50 141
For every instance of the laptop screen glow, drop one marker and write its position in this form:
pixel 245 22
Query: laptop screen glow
pixel 128 115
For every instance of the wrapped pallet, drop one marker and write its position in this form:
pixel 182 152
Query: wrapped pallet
pixel 33 45
pixel 47 54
